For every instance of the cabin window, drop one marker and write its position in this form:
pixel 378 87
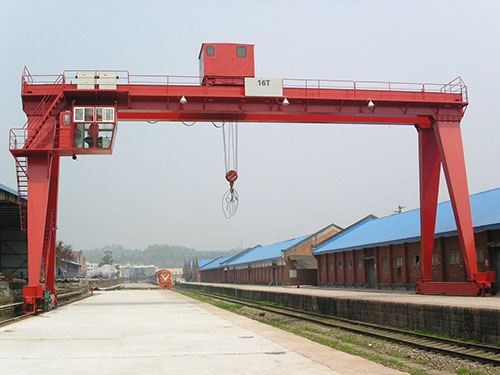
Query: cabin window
pixel 241 52
pixel 210 51
pixel 105 114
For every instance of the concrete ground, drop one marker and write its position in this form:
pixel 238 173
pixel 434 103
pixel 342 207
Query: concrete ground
pixel 159 331
pixel 376 295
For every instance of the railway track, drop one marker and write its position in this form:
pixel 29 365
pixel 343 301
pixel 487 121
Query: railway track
pixel 486 354
pixel 17 308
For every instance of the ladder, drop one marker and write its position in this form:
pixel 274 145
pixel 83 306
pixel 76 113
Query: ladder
pixel 32 129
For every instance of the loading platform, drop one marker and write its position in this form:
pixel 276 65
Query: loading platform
pixel 131 331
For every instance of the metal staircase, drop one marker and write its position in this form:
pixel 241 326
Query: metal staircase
pixel 33 135
pixel 22 189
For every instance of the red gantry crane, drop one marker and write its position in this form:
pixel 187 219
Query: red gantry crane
pixel 77 112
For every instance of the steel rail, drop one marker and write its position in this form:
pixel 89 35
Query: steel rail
pixel 490 354
pixel 22 315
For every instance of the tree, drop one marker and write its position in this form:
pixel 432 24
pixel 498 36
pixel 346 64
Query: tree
pixel 63 251
pixel 107 258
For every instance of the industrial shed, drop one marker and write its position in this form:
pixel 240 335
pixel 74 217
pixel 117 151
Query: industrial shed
pixel 385 252
pixel 283 263
pixel 13 241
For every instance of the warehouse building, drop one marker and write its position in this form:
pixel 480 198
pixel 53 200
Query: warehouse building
pixel 385 252
pixel 13 241
pixel 284 263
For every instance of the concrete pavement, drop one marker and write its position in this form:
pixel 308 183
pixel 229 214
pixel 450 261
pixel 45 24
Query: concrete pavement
pixel 160 331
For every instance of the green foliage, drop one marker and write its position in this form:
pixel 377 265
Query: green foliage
pixel 107 258
pixel 63 251
pixel 159 255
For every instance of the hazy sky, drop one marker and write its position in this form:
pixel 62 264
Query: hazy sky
pixel 164 183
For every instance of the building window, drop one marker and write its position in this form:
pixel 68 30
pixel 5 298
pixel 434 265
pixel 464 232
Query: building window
pixel 360 264
pixel 210 51
pixel 349 265
pixel 435 259
pixel 480 255
pixel 415 260
pixel 399 262
pixel 340 265
pixel 241 52
pixel 331 266
pixel 454 257
pixel 385 262
pixel 322 266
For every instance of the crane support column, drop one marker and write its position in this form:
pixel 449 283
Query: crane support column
pixel 51 227
pixel 430 168
pixel 43 175
pixel 448 140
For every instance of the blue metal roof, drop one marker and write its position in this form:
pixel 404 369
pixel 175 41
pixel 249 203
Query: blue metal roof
pixel 216 263
pixel 202 262
pixel 405 227
pixel 262 253
pixel 9 190
pixel 70 262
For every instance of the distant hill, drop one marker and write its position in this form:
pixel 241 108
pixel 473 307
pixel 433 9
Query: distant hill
pixel 159 255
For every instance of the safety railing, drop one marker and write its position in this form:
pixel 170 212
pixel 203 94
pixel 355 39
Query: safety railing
pixel 457 86
pixel 47 138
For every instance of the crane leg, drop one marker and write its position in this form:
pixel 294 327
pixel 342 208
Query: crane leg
pixel 448 141
pixel 430 168
pixel 42 173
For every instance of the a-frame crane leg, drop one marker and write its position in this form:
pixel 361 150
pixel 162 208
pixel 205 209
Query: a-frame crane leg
pixel 43 175
pixel 449 140
pixel 446 147
pixel 51 225
pixel 430 168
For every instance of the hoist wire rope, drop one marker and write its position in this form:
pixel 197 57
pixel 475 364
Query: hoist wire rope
pixel 186 124
pixel 230 200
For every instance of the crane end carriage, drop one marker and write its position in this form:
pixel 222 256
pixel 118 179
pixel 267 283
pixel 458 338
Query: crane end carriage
pixel 76 113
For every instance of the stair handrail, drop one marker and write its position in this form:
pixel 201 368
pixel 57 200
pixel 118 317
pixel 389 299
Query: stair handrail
pixel 36 125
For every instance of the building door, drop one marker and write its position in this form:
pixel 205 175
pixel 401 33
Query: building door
pixel 497 270
pixel 370 268
pixel 275 276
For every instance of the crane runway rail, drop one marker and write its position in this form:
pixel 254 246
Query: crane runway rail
pixel 17 308
pixel 486 354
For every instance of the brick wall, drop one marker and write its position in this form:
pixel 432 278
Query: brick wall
pixel 399 265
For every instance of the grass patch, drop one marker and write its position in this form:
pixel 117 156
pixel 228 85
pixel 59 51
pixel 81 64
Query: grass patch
pixel 466 371
pixel 220 304
pixel 422 362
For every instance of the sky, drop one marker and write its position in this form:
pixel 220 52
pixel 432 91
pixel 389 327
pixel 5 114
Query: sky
pixel 164 183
